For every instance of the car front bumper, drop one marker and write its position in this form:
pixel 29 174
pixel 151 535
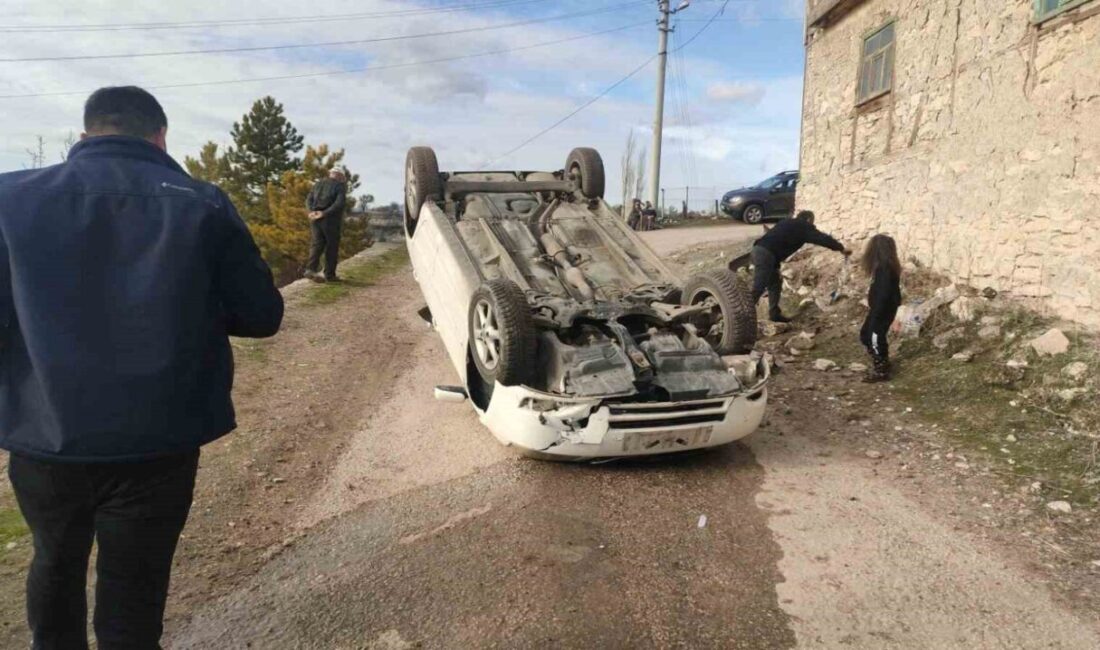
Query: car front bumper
pixel 580 429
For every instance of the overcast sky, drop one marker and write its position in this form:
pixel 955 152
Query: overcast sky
pixel 732 115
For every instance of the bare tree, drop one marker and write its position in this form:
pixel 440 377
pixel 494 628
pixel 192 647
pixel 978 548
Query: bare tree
pixel 66 145
pixel 37 153
pixel 633 172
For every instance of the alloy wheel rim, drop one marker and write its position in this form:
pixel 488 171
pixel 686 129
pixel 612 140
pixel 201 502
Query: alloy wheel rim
pixel 487 339
pixel 410 191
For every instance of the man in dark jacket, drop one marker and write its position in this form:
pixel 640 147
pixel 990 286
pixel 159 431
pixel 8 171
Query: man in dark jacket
pixel 121 280
pixel 326 204
pixel 770 251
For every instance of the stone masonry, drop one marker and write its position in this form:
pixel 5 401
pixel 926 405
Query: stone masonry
pixel 984 159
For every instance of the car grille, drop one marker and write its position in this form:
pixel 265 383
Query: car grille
pixel 667 416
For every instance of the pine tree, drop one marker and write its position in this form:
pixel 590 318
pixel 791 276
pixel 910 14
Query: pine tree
pixel 264 144
pixel 213 167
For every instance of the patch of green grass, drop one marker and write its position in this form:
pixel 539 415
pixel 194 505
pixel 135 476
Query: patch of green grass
pixel 973 404
pixel 12 526
pixel 255 350
pixel 1051 442
pixel 358 276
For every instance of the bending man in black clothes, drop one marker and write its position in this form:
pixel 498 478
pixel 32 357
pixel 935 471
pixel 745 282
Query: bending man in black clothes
pixel 326 203
pixel 779 243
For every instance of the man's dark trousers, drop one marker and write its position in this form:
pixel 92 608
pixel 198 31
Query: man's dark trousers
pixel 135 512
pixel 766 277
pixel 326 241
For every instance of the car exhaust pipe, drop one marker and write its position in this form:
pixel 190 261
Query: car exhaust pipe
pixel 453 394
pixel 560 256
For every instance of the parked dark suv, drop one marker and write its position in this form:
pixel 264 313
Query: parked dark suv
pixel 771 198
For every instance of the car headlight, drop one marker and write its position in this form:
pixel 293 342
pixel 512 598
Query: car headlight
pixel 734 200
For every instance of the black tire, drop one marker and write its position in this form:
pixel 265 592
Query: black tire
pixel 585 166
pixel 422 183
pixel 753 214
pixel 735 332
pixel 512 359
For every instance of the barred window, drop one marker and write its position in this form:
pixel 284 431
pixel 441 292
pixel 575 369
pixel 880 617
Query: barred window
pixel 876 70
pixel 1049 8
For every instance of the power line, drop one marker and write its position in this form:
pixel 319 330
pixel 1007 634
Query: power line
pixel 580 108
pixel 716 16
pixel 249 22
pixel 381 39
pixel 306 75
pixel 607 90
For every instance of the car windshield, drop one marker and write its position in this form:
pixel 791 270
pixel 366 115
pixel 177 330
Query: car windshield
pixel 774 181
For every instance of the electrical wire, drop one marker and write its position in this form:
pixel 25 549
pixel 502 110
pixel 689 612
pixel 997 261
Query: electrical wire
pixel 580 108
pixel 308 75
pixel 677 109
pixel 607 90
pixel 258 22
pixel 380 39
pixel 685 111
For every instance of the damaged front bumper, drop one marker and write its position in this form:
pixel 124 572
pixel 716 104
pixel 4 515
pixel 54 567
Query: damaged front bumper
pixel 589 428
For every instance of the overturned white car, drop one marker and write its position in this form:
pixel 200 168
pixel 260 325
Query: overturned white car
pixel 572 338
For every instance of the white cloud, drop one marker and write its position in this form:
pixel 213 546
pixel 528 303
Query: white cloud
pixel 736 92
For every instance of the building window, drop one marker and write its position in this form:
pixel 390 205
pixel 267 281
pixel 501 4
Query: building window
pixel 1045 9
pixel 876 68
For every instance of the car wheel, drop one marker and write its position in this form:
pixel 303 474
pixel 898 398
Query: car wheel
pixel 753 214
pixel 733 328
pixel 502 334
pixel 585 166
pixel 422 183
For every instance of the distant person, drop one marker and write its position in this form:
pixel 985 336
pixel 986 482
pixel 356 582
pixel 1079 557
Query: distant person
pixel 880 262
pixel 770 251
pixel 649 216
pixel 121 281
pixel 326 203
pixel 635 217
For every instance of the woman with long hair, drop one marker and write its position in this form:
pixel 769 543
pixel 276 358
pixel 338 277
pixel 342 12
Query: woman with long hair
pixel 880 262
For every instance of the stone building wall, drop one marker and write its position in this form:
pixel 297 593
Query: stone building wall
pixel 984 160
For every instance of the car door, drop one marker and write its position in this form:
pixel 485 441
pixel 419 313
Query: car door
pixel 781 201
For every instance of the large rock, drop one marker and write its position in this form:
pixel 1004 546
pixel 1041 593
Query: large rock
pixel 804 341
pixel 1077 371
pixel 989 332
pixel 911 318
pixel 1052 343
pixel 769 328
pixel 1069 395
pixel 1060 506
pixel 965 309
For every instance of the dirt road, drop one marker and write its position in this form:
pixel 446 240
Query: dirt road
pixel 416 529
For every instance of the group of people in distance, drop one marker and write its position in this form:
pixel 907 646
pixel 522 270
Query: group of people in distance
pixel 879 261
pixel 642 217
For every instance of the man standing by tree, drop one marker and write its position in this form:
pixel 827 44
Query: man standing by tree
pixel 121 280
pixel 326 204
